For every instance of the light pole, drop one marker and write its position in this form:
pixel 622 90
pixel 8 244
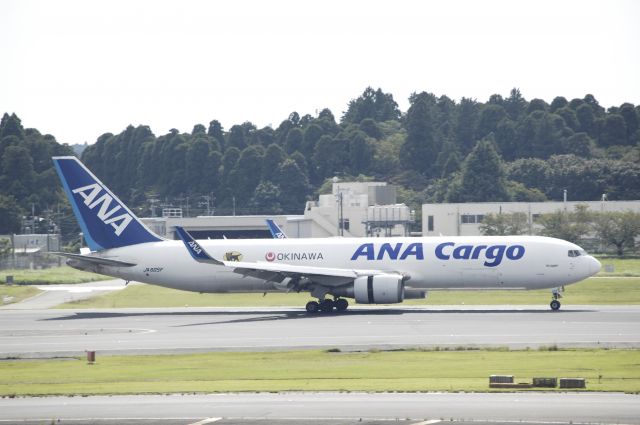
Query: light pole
pixel 340 211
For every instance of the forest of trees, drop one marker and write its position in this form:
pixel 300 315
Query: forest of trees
pixel 439 150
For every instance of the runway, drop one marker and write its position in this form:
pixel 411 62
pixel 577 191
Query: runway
pixel 52 333
pixel 331 408
pixel 46 333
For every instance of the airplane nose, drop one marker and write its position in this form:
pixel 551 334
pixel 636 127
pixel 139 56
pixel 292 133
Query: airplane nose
pixel 594 266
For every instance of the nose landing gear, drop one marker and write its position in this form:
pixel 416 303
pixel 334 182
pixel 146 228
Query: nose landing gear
pixel 555 304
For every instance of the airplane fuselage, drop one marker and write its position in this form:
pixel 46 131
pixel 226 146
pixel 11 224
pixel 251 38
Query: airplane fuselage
pixel 499 262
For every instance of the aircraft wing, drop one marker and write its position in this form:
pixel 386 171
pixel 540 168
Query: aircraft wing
pixel 276 272
pixel 94 260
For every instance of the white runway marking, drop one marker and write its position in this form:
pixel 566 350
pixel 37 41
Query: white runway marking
pixel 206 421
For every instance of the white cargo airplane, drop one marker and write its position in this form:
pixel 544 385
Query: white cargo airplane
pixel 370 270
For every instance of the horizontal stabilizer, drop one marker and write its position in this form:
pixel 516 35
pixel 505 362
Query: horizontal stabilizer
pixel 94 260
pixel 197 252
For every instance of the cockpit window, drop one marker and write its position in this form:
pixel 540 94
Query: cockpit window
pixel 576 252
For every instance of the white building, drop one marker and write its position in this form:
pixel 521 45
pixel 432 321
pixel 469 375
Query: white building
pixel 363 208
pixel 465 219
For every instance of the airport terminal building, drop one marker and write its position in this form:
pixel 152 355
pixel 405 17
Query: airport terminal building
pixel 464 219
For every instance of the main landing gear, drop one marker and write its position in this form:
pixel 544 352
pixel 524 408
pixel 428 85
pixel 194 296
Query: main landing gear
pixel 555 304
pixel 327 305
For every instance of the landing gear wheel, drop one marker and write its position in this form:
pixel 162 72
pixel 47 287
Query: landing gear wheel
pixel 312 307
pixel 341 304
pixel 555 305
pixel 326 305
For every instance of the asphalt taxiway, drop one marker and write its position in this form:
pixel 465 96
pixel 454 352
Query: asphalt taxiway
pixel 45 333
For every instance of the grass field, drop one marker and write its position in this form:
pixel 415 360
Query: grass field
pixel 12 293
pixel 621 266
pixel 605 370
pixel 50 276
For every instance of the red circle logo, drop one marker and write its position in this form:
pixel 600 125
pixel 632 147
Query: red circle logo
pixel 270 256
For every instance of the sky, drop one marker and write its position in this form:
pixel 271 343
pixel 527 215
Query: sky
pixel 78 69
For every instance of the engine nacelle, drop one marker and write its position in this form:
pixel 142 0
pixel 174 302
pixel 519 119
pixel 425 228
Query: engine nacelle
pixel 379 289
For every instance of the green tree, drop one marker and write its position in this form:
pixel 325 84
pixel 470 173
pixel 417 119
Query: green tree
pixel 506 139
pixel 579 144
pixel 482 178
pixel 266 199
pixel 10 213
pixel 618 229
pixel 10 125
pixel 614 131
pixel 582 179
pixel 265 136
pixel 196 161
pixel 569 117
pixel 586 120
pixel 490 116
pixel 211 173
pixel 448 160
pixel 465 125
pixel 18 176
pixel 419 151
pixel 329 156
pixel 360 153
pixel 537 105
pixel 590 100
pixel 294 140
pixel 198 129
pixel 515 104
pixel 372 104
pixel 504 224
pixel 274 157
pixel 245 176
pixel 217 132
pixel 301 161
pixel 237 137
pixel 371 129
pixel 312 134
pixel 386 155
pixel 547 139
pixel 294 186
pixel 327 121
pixel 571 226
pixel 622 179
pixel 632 121
pixel 229 161
pixel 557 103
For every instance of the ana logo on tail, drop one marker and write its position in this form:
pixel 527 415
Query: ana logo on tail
pixel 195 247
pixel 90 195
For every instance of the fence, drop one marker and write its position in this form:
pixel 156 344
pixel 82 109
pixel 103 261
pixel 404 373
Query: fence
pixel 30 261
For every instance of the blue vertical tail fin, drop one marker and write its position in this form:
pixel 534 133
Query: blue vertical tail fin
pixel 276 231
pixel 105 221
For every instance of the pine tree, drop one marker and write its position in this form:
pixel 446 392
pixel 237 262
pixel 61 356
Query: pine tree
pixel 482 178
pixel 419 151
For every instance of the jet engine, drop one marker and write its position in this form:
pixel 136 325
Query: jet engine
pixel 377 289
